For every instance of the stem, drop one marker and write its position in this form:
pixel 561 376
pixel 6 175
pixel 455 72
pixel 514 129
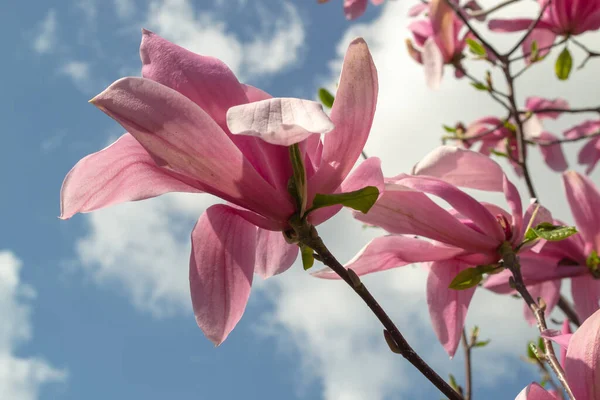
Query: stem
pixel 529 30
pixel 468 371
pixel 548 110
pixel 575 139
pixel 511 262
pixel 308 236
pixel 485 13
pixel 566 308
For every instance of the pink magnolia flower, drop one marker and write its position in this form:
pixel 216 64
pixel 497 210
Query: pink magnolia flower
pixel 182 118
pixel 590 153
pixel 466 236
pixel 355 8
pixel 581 363
pixel 570 258
pixel 560 18
pixel 494 135
pixel 438 42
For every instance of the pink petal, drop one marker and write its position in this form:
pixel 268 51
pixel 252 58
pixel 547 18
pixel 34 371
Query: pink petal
pixel 417 9
pixel 582 365
pixel 509 25
pixel 461 167
pixel 255 94
pixel 206 81
pixel 377 2
pixel 557 337
pixel 539 103
pixel 511 194
pixel 354 8
pixel 584 129
pixel 586 295
pixel 280 121
pixel 273 254
pixel 442 20
pixel 121 172
pixel 181 136
pixel 408 212
pixel 392 251
pixel 584 200
pixel 544 38
pixel 553 154
pixel 535 392
pixel 368 173
pixel 590 155
pixel 433 64
pixel 549 291
pixel 447 307
pixel 352 114
pixel 565 330
pixel 221 268
pixel 421 30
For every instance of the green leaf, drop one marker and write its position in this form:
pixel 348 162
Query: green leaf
pixel 479 86
pixel 551 232
pixel 531 351
pixel 452 381
pixel 483 343
pixel 326 97
pixel 541 345
pixel 476 48
pixel 308 259
pixel 499 153
pixel 563 65
pixel 593 261
pixel 449 129
pixel 510 126
pixel 466 279
pixel 535 52
pixel 361 200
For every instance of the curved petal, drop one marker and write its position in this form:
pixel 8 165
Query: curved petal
pixel 123 171
pixel 417 9
pixel 280 121
pixel 421 30
pixel 206 81
pixel 586 295
pixel 255 94
pixel 509 25
pixel 221 269
pixel 354 8
pixel 433 64
pixel 553 154
pixel 273 254
pixel 582 364
pixel 461 167
pixel 538 103
pixel 442 20
pixel 413 213
pixel 180 135
pixel 393 251
pixel 544 39
pixel 589 155
pixel 352 114
pixel 584 200
pixel 535 392
pixel 447 307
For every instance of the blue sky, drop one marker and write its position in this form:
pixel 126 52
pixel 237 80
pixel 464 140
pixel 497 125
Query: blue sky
pixel 98 306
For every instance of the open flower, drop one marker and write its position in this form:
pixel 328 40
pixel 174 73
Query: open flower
pixel 438 42
pixel 193 127
pixel 355 8
pixel 590 153
pixel 581 363
pixel 495 135
pixel 576 257
pixel 469 235
pixel 560 18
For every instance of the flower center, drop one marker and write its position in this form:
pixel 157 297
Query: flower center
pixel 506 227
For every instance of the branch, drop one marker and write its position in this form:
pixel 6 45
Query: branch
pixel 571 140
pixel 566 308
pixel 548 110
pixel 468 370
pixel 485 13
pixel 590 54
pixel 308 236
pixel 529 30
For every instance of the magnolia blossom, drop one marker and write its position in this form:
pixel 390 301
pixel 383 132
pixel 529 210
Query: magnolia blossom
pixel 193 127
pixel 494 135
pixel 575 257
pixel 581 363
pixel 590 153
pixel 560 18
pixel 355 8
pixel 466 236
pixel 438 42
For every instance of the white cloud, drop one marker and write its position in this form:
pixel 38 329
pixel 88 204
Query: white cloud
pixel 276 48
pixel 89 9
pixel 124 8
pixel 45 40
pixel 78 71
pixel 20 378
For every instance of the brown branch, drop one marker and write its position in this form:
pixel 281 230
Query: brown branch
pixel 468 371
pixel 529 30
pixel 485 13
pixel 547 110
pixel 307 235
pixel 566 308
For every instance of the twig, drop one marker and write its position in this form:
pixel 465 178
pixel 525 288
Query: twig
pixel 485 13
pixel 589 54
pixel 547 110
pixel 529 30
pixel 566 308
pixel 525 55
pixel 307 235
pixel 468 370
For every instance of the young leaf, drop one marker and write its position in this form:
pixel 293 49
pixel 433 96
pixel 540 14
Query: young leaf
pixel 326 97
pixel 476 48
pixel 479 86
pixel 548 231
pixel 482 343
pixel 307 257
pixel 467 278
pixel 361 200
pixel 533 56
pixel 563 65
pixel 453 383
pixel 449 129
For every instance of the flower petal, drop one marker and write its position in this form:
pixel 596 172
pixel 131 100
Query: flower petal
pixel 535 392
pixel 461 167
pixel 586 295
pixel 221 269
pixel 447 307
pixel 538 103
pixel 352 114
pixel 584 200
pixel 392 251
pixel 280 121
pixel 273 254
pixel 354 8
pixel 582 365
pixel 123 171
pixel 509 25
pixel 180 135
pixel 206 81
pixel 433 64
pixel 553 154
